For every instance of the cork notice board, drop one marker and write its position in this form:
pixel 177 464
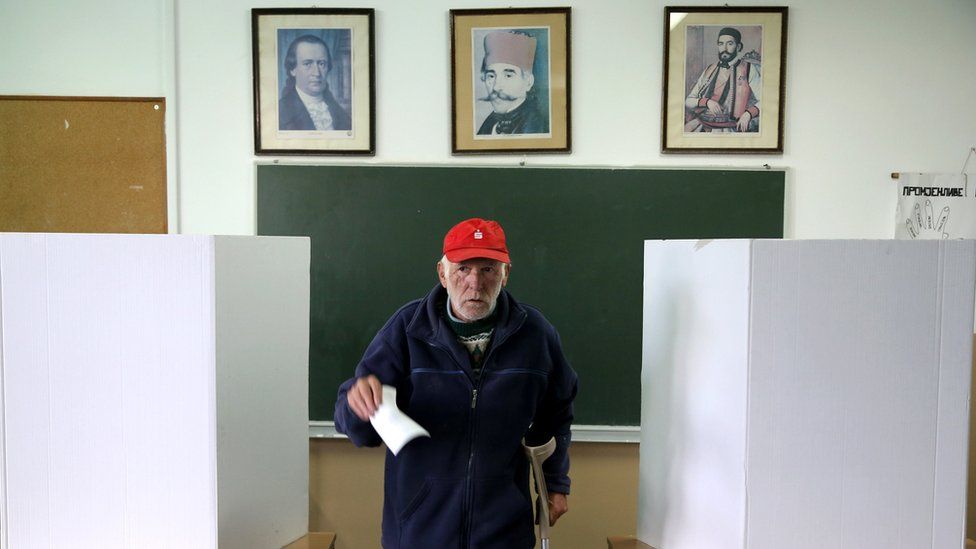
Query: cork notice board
pixel 82 164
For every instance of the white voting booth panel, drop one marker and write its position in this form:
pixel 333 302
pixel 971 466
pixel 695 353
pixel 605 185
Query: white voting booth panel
pixel 805 394
pixel 154 391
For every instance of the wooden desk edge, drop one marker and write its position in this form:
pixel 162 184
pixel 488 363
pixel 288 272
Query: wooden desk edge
pixel 626 542
pixel 313 540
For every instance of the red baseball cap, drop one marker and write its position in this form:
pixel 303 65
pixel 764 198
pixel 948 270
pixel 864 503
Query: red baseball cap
pixel 476 237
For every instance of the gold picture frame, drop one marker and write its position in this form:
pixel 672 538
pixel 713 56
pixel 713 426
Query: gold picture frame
pixel 535 118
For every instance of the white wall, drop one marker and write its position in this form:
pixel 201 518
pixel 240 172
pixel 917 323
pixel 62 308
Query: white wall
pixel 872 87
pixel 864 98
pixel 103 47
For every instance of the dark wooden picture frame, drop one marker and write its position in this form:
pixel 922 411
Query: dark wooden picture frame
pixel 510 81
pixel 724 79
pixel 314 81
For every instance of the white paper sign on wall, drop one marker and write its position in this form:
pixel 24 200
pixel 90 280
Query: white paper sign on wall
pixel 934 206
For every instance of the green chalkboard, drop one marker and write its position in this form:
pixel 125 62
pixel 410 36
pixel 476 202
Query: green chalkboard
pixel 576 238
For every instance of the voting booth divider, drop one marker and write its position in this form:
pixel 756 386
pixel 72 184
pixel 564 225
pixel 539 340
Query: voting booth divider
pixel 805 394
pixel 154 391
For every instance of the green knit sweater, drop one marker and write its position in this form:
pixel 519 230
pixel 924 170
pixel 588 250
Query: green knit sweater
pixel 475 336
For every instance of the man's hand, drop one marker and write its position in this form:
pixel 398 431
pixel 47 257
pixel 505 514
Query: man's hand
pixel 743 125
pixel 365 396
pixel 713 107
pixel 557 506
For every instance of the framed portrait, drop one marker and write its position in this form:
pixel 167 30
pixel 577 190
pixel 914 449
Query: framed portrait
pixel 724 80
pixel 313 81
pixel 510 75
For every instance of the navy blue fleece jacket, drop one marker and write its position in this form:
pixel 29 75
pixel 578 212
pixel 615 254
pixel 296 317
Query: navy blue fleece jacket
pixel 467 485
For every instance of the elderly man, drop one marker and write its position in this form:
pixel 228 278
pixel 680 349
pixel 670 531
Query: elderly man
pixel 479 371
pixel 306 102
pixel 507 73
pixel 726 96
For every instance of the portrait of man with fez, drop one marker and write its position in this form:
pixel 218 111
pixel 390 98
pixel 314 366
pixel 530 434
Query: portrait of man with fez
pixel 307 101
pixel 726 95
pixel 514 77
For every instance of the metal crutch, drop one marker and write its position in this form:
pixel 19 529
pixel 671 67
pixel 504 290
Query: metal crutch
pixel 537 455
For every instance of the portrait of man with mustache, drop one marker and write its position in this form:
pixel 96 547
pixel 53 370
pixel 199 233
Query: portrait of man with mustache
pixel 726 97
pixel 507 73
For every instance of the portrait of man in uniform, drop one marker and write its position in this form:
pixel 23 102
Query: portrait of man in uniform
pixel 723 79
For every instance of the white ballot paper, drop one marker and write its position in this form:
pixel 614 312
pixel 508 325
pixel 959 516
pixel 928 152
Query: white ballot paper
pixel 394 427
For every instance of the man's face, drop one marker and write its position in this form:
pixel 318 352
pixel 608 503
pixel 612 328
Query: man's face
pixel 473 286
pixel 506 84
pixel 312 64
pixel 727 48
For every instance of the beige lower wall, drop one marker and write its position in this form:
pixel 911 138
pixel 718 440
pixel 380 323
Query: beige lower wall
pixel 346 494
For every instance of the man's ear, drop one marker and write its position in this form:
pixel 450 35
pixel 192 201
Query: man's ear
pixel 508 270
pixel 441 275
pixel 531 79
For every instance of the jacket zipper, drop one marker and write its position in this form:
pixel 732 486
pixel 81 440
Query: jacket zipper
pixel 467 508
pixel 469 500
